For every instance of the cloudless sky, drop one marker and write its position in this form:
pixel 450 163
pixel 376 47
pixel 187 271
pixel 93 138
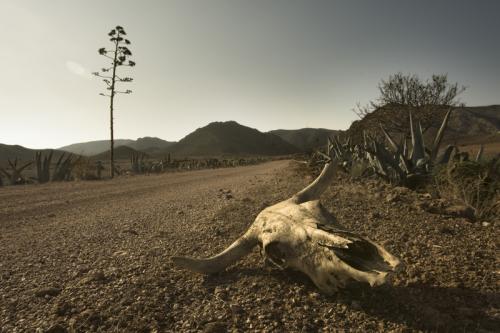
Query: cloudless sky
pixel 267 64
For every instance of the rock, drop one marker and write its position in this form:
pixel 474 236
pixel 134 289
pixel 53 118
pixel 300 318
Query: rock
pixel 446 230
pixel 392 197
pixel 220 293
pixel 401 190
pixel 57 328
pixel 355 305
pixel 96 276
pixel 130 231
pixel 460 211
pixel 426 196
pixel 466 312
pixel 215 327
pixel 48 291
pixel 236 309
pixel 485 224
pixel 62 308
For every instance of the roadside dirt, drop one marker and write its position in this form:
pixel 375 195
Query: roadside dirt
pixel 95 256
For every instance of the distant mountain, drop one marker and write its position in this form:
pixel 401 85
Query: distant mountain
pixel 150 144
pixel 231 139
pixel 120 153
pixel 22 153
pixel 94 147
pixel 472 122
pixel 91 148
pixel 306 138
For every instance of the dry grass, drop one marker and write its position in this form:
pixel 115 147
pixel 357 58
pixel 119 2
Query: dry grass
pixel 474 184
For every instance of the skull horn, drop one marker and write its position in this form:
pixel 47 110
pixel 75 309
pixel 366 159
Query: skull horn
pixel 241 247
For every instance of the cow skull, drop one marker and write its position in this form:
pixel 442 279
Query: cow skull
pixel 299 233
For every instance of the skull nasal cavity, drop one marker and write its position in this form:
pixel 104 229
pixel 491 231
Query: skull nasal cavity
pixel 275 251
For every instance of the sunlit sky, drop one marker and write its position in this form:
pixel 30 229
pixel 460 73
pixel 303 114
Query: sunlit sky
pixel 267 64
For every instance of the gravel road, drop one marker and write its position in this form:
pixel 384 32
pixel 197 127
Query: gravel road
pixel 95 256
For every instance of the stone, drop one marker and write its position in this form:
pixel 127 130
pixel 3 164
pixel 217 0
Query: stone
pixel 57 328
pixel 47 291
pixel 460 211
pixel 215 327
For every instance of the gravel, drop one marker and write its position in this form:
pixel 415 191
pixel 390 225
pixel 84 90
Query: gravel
pixel 95 257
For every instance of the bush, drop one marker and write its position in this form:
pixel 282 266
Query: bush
pixel 475 184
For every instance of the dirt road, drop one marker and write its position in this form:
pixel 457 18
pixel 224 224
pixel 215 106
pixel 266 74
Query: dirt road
pixel 95 256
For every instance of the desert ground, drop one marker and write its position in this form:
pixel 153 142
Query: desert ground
pixel 96 257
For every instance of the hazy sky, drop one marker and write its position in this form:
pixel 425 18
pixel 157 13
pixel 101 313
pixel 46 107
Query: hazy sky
pixel 267 64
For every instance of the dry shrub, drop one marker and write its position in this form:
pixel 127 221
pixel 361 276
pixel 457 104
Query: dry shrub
pixel 474 184
pixel 84 169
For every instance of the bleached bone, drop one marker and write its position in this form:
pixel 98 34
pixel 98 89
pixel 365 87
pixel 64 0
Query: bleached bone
pixel 300 233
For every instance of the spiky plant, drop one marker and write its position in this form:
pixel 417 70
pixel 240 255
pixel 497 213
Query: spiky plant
pixel 64 167
pixel 397 163
pixel 14 175
pixel 137 162
pixel 43 166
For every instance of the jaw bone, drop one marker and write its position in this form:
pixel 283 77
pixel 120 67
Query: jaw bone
pixel 301 234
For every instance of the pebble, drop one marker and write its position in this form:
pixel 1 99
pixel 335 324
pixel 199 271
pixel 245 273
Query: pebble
pixel 57 328
pixel 48 291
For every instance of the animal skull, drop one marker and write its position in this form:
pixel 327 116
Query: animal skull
pixel 299 233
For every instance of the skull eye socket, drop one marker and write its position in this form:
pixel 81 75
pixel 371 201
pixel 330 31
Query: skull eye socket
pixel 275 253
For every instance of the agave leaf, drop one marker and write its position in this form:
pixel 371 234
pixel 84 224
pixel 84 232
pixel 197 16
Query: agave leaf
pixel 324 155
pixel 479 153
pixel 348 141
pixel 405 148
pixel 418 150
pixel 446 156
pixel 24 167
pixel 385 160
pixel 329 145
pixel 439 135
pixel 393 144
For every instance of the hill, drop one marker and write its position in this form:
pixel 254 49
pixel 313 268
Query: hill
pixel 91 148
pixel 150 145
pixel 231 139
pixel 23 154
pixel 306 139
pixel 464 123
pixel 468 122
pixel 120 153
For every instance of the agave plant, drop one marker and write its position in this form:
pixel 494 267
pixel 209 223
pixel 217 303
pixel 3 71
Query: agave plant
pixel 64 167
pixel 43 166
pixel 14 175
pixel 137 162
pixel 397 163
pixel 352 156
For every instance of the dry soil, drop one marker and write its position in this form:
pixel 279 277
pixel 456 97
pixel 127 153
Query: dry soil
pixel 95 256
